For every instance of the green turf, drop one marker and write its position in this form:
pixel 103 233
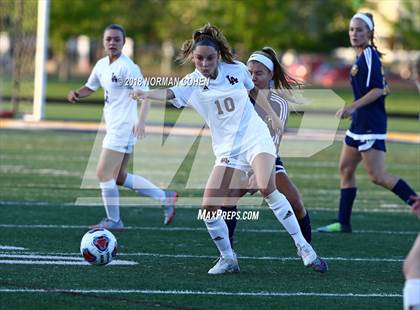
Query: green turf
pixel 41 174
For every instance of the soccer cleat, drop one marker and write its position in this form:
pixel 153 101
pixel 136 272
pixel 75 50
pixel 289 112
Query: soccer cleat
pixel 335 228
pixel 169 207
pixel 109 224
pixel 319 265
pixel 311 259
pixel 225 265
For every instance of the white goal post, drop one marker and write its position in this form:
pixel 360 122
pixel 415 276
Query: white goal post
pixel 40 78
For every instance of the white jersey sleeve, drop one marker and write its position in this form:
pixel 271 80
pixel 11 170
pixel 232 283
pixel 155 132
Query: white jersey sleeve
pixel 93 81
pixel 247 79
pixel 182 93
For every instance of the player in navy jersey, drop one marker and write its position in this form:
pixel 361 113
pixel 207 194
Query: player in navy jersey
pixel 122 129
pixel 365 139
pixel 241 140
pixel 270 78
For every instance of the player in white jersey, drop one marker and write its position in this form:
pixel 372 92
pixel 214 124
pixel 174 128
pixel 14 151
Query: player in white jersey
pixel 241 140
pixel 113 73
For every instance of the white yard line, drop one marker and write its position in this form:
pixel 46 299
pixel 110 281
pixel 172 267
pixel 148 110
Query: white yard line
pixel 74 256
pixel 262 230
pixel 205 293
pixel 8 247
pixel 59 262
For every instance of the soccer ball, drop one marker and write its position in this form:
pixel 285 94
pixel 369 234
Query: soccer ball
pixel 98 246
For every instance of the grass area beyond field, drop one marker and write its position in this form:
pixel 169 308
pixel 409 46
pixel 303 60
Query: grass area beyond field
pixel 41 175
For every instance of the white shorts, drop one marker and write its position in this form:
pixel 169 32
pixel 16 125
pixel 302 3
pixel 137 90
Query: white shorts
pixel 243 160
pixel 117 143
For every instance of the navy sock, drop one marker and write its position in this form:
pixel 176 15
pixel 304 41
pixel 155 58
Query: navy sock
pixel 305 227
pixel 347 197
pixel 231 222
pixel 404 191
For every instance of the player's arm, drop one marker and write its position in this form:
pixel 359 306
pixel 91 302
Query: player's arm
pixel 140 129
pixel 75 95
pixel 156 94
pixel 262 101
pixel 370 97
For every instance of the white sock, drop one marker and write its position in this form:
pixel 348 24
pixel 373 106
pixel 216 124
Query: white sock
pixel 144 187
pixel 218 231
pixel 412 294
pixel 284 213
pixel 110 198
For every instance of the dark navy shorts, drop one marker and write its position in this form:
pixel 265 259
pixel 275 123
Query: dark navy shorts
pixel 365 145
pixel 279 166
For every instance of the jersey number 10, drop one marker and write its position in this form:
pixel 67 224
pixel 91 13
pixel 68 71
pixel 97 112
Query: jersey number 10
pixel 229 105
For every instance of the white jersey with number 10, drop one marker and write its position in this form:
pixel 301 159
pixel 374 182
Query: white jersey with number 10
pixel 226 108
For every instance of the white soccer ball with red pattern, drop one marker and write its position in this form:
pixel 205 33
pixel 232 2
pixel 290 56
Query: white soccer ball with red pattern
pixel 98 246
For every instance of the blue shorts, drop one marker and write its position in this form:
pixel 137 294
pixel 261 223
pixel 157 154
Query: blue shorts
pixel 279 166
pixel 365 145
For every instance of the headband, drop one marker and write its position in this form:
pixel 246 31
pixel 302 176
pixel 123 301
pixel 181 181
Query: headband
pixel 262 59
pixel 366 19
pixel 207 42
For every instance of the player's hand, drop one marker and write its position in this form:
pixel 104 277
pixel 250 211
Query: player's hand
pixel 345 112
pixel 73 96
pixel 138 95
pixel 139 130
pixel 415 208
pixel 276 124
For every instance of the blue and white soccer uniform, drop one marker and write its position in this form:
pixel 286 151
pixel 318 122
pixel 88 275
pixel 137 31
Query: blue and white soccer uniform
pixel 281 108
pixel 238 133
pixel 120 110
pixel 369 123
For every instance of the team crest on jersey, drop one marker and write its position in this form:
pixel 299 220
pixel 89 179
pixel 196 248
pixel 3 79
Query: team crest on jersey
pixel 354 70
pixel 232 80
pixel 225 160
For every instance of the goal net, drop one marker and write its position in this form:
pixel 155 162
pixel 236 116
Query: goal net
pixel 18 28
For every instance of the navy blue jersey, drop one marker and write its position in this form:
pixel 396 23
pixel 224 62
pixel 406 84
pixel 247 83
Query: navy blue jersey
pixel 369 121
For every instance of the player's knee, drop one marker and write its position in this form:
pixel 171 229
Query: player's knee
pixel 376 178
pixel 100 175
pixel 346 171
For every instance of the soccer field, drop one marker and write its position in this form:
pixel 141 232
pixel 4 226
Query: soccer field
pixel 166 266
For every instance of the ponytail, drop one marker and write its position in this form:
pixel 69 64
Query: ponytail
pixel 372 39
pixel 210 36
pixel 281 79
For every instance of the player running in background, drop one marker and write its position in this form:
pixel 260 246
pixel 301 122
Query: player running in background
pixel 122 129
pixel 241 140
pixel 270 78
pixel 365 139
pixel 412 268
